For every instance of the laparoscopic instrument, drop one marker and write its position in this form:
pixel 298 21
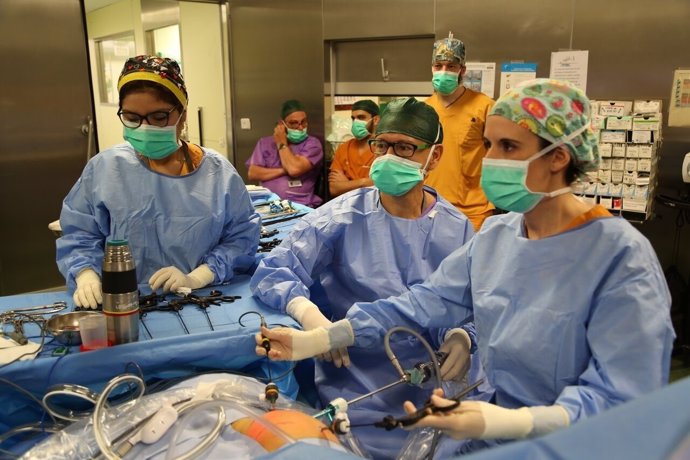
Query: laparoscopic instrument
pixel 155 302
pixel 271 392
pixel 336 411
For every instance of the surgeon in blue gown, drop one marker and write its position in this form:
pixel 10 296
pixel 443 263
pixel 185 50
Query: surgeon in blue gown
pixel 569 302
pixel 368 244
pixel 183 208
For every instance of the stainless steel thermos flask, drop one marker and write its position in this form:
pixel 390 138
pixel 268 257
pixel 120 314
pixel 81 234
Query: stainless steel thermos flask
pixel 120 293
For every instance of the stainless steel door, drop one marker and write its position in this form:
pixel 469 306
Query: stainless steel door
pixel 45 99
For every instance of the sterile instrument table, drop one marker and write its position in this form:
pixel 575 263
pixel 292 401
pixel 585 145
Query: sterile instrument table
pixel 164 350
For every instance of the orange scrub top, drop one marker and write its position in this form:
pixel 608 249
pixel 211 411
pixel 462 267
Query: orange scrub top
pixel 457 175
pixel 349 160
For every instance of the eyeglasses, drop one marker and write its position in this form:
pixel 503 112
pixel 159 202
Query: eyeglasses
pixel 134 120
pixel 402 149
pixel 296 124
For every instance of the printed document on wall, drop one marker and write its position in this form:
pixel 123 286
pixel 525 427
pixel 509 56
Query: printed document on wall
pixel 570 66
pixel 679 106
pixel 480 77
pixel 514 73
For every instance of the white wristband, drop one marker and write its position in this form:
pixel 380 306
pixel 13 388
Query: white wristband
pixel 310 344
pixel 202 276
pixel 502 423
pixel 298 306
pixel 548 419
pixel 460 331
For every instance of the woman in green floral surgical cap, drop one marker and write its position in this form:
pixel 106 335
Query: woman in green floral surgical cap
pixel 570 304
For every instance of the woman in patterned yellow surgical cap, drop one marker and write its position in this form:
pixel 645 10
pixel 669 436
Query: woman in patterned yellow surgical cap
pixel 570 304
pixel 183 208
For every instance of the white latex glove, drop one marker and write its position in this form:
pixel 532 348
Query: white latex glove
pixel 289 344
pixel 88 293
pixel 171 278
pixel 305 312
pixel 482 420
pixel 457 346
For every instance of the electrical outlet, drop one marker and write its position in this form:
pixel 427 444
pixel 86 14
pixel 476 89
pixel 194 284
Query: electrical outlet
pixel 245 123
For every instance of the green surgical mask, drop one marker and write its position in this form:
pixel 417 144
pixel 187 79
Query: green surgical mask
pixel 395 175
pixel 359 129
pixel 153 142
pixel 445 82
pixel 505 181
pixel 296 136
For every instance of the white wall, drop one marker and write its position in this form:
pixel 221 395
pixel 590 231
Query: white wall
pixel 117 18
pixel 200 34
pixel 200 39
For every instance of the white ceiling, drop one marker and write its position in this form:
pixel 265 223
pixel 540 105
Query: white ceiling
pixel 90 5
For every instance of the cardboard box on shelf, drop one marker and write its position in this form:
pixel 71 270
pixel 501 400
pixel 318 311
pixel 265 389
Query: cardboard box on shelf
pixel 642 106
pixel 618 150
pixel 625 122
pixel 605 150
pixel 615 108
pixel 613 136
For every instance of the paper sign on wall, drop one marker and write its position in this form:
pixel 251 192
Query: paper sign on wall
pixel 514 73
pixel 570 66
pixel 679 106
pixel 480 76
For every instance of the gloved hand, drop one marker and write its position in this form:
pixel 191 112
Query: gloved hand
pixel 292 345
pixel 482 420
pixel 305 312
pixel 457 346
pixel 171 278
pixel 88 293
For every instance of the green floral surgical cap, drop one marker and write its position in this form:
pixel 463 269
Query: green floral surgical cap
pixel 413 118
pixel 553 110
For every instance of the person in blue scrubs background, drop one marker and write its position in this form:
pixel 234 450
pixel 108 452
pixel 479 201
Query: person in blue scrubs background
pixel 571 308
pixel 367 244
pixel 183 208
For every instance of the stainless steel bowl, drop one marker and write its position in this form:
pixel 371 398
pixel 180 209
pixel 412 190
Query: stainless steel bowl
pixel 65 327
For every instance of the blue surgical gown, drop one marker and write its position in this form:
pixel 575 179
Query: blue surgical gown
pixel 357 251
pixel 204 217
pixel 579 319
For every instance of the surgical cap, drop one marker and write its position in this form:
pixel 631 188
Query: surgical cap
pixel 553 110
pixel 413 118
pixel 449 49
pixel 293 105
pixel 164 71
pixel 367 105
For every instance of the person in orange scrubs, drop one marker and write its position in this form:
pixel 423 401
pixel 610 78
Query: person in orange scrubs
pixel 350 167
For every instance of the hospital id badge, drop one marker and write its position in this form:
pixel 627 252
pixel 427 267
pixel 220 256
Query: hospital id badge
pixel 294 183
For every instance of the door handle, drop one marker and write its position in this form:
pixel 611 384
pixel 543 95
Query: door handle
pixel 87 130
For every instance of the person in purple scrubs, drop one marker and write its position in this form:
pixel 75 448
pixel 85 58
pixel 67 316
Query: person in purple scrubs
pixel 288 162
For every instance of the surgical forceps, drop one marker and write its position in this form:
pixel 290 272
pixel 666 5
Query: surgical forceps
pixel 389 422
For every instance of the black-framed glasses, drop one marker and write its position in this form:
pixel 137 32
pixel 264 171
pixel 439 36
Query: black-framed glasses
pixel 134 120
pixel 402 149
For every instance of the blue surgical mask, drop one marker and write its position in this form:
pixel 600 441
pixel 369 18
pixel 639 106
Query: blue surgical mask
pixel 153 142
pixel 296 136
pixel 505 181
pixel 396 176
pixel 359 129
pixel 445 82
